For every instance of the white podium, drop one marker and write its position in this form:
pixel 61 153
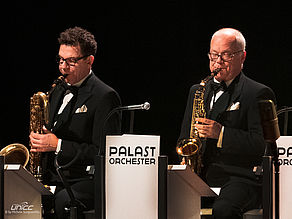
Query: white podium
pixel 133 182
pixel 22 194
pixel 131 177
pixel 284 144
pixel 185 190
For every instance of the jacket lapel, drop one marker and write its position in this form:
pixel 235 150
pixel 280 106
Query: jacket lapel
pixel 83 95
pixel 228 97
pixel 220 105
pixel 76 102
pixel 63 117
pixel 237 89
pixel 57 96
pixel 84 92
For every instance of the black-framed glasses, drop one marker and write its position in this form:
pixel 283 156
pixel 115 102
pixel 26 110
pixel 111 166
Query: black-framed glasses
pixel 225 56
pixel 69 61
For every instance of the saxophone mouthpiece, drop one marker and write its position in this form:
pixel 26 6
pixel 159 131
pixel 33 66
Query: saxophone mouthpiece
pixel 216 71
pixel 59 80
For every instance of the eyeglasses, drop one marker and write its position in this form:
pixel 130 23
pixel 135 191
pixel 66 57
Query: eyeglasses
pixel 69 61
pixel 225 56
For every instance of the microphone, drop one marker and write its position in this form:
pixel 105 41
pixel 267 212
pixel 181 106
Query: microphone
pixel 144 106
pixel 269 120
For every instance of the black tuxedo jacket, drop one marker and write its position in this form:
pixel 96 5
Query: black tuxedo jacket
pixel 243 144
pixel 80 126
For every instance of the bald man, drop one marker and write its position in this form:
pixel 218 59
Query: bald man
pixel 234 142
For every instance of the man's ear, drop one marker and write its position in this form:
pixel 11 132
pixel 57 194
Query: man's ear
pixel 244 56
pixel 90 59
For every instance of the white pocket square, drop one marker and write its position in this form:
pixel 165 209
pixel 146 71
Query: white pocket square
pixel 234 106
pixel 82 109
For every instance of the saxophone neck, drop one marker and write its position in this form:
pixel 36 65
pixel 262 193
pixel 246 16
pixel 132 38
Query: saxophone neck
pixel 210 77
pixel 59 80
pixel 205 80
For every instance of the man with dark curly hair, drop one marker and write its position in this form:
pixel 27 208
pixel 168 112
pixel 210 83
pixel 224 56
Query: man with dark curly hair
pixel 76 114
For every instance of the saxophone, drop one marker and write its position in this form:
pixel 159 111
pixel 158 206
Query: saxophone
pixel 39 117
pixel 190 149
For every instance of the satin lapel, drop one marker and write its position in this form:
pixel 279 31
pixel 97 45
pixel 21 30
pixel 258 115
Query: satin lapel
pixel 220 105
pixel 83 95
pixel 229 97
pixel 84 92
pixel 57 96
pixel 63 117
pixel 237 89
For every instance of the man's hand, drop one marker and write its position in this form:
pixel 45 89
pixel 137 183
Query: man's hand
pixel 183 161
pixel 43 142
pixel 208 128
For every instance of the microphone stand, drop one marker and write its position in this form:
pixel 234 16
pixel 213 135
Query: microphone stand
pixel 102 130
pixel 272 159
pixel 145 106
pixel 74 203
pixel 132 116
pixel 271 133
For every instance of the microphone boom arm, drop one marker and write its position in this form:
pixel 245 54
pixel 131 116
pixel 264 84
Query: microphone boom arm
pixel 144 106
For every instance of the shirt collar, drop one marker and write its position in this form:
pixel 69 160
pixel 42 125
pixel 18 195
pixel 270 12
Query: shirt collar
pixel 78 84
pixel 226 82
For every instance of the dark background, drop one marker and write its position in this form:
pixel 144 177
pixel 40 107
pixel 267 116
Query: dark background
pixel 147 51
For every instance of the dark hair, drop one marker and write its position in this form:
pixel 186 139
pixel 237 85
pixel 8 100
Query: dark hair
pixel 77 36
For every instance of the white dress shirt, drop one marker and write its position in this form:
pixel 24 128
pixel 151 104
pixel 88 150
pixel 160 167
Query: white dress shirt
pixel 213 100
pixel 68 96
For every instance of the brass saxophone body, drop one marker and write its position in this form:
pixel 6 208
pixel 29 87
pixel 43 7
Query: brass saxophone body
pixel 17 153
pixel 190 149
pixel 39 117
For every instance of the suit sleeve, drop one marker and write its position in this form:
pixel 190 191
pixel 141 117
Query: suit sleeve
pixel 84 152
pixel 248 142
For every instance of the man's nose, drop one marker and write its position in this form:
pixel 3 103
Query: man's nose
pixel 63 63
pixel 219 59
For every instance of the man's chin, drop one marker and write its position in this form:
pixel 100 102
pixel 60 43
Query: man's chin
pixel 219 77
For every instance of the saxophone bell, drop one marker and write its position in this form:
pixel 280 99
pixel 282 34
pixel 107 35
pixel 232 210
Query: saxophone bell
pixel 188 147
pixel 15 153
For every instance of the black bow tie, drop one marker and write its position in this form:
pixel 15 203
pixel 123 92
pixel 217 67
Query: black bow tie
pixel 72 89
pixel 218 86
